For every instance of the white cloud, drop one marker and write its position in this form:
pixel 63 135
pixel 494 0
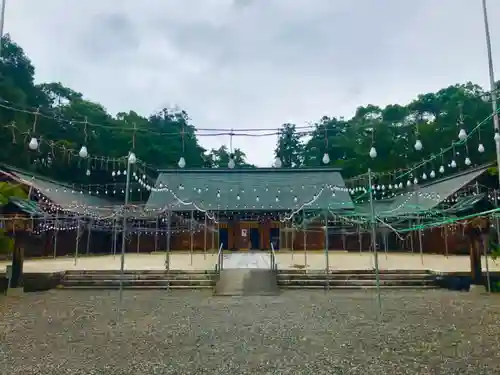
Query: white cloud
pixel 254 63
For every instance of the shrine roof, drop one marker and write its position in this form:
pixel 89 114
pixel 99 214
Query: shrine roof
pixel 279 189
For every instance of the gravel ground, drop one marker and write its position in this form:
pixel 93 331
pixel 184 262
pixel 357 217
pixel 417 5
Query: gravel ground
pixel 299 332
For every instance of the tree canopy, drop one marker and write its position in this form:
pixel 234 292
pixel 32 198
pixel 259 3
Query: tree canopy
pixel 64 121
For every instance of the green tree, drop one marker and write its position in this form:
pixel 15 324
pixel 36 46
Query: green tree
pixel 289 147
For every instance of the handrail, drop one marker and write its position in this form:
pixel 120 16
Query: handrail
pixel 274 265
pixel 220 258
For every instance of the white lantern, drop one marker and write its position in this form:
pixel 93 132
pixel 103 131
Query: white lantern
pixel 424 176
pixel 418 145
pixel 326 158
pixel 415 181
pixel 373 153
pixel 433 174
pixel 400 185
pixel 453 164
pixel 132 158
pixel 480 148
pixel 467 161
pixel 441 169
pixel 182 162
pixel 408 183
pixel 83 152
pixel 462 135
pixel 33 145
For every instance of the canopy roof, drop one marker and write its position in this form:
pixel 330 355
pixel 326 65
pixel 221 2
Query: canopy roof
pixel 423 197
pixel 250 190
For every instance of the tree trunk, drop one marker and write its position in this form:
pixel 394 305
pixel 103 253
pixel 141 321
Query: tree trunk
pixel 17 266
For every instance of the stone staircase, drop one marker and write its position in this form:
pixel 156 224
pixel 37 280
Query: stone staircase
pixel 362 279
pixel 150 279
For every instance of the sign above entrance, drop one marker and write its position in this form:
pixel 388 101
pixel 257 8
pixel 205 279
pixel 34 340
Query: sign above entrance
pixel 243 233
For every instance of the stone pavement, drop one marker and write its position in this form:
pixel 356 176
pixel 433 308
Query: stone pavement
pixel 338 260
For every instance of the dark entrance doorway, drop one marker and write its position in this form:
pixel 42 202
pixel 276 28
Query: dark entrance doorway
pixel 255 238
pixel 275 238
pixel 224 238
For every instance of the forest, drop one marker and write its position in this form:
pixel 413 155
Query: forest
pixel 63 120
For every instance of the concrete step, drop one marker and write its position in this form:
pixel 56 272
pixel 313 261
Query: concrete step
pixel 350 276
pixel 247 282
pixel 139 277
pixel 355 282
pixel 140 272
pixel 136 282
pixel 140 287
pixel 356 272
pixel 351 287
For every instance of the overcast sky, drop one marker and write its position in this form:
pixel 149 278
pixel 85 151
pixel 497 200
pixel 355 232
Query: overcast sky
pixel 254 63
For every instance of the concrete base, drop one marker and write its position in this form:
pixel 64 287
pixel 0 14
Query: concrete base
pixel 247 282
pixel 15 292
pixel 477 289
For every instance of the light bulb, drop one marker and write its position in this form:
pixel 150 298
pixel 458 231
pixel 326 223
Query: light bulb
pixel 424 176
pixel 182 162
pixel 462 135
pixel 83 152
pixel 418 145
pixel 113 173
pixel 33 145
pixel 453 164
pixel 88 172
pixel 467 161
pixel 295 199
pixel 231 163
pixel 326 158
pixel 400 185
pixel 415 181
pixel 277 162
pixel 390 186
pixel 480 148
pixel 497 137
pixel 373 153
pixel 132 158
pixel 433 174
pixel 408 183
pixel 441 169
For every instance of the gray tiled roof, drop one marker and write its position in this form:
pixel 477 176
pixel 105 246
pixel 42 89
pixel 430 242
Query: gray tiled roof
pixel 424 198
pixel 69 199
pixel 251 189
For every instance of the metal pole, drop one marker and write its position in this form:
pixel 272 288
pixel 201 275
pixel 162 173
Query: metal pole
pixel 156 234
pixel 293 240
pixel 56 230
pixel 115 235
pixel 89 231
pixel 169 227
pixel 497 222
pixel 360 239
pixel 446 241
pixel 124 229
pixel 304 232
pixel 138 241
pixel 327 255
pixel 374 241
pixel 205 239
pixel 191 236
pixel 420 246
pixel 2 24
pixel 77 240
pixel 493 93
